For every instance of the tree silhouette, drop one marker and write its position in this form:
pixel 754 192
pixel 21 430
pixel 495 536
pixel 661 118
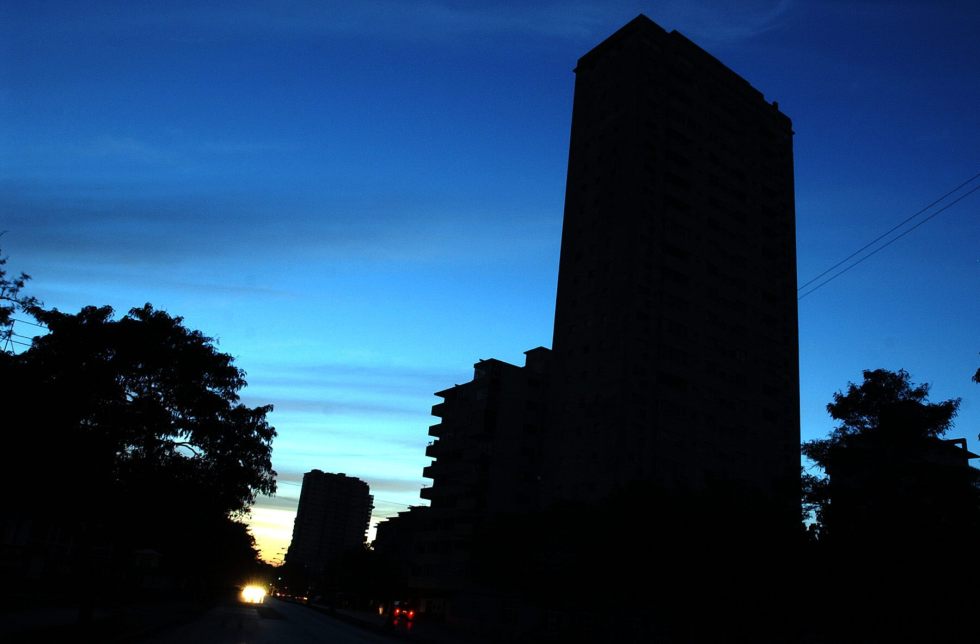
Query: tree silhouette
pixel 136 426
pixel 890 474
pixel 145 395
pixel 897 517
pixel 10 301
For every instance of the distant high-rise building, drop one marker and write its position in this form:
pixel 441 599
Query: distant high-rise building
pixel 332 518
pixel 675 339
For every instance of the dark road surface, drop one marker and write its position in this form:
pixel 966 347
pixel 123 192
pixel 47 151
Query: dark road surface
pixel 275 622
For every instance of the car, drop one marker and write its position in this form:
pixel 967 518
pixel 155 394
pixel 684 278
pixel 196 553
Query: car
pixel 403 613
pixel 253 594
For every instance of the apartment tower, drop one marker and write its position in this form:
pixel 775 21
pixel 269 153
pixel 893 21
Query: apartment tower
pixel 675 342
pixel 332 518
pixel 672 386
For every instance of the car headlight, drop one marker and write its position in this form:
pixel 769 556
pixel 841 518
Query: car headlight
pixel 253 594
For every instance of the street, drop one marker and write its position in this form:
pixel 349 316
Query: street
pixel 275 622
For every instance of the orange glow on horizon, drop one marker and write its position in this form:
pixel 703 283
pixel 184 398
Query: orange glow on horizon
pixel 273 530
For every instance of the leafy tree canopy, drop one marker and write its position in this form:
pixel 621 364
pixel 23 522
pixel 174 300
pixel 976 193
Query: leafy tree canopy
pixel 11 300
pixel 127 435
pixel 890 473
pixel 145 409
pixel 885 407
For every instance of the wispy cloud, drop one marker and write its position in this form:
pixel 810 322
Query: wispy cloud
pixel 192 21
pixel 378 378
pixel 724 22
pixel 162 224
pixel 291 481
pixel 290 476
pixel 277 502
pixel 327 407
pixel 421 19
pixel 327 396
pixel 127 148
pixel 382 485
pixel 173 149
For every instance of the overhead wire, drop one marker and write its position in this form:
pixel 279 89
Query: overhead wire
pixel 376 500
pixel 40 326
pixel 891 241
pixel 887 232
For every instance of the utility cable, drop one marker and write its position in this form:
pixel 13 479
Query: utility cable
pixel 890 242
pixel 40 326
pixel 885 234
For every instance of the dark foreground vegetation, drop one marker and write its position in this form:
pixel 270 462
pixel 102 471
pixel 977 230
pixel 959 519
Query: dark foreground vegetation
pixel 130 458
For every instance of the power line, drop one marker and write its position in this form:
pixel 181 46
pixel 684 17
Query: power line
pixel 404 505
pixel 376 500
pixel 890 242
pixel 40 326
pixel 886 233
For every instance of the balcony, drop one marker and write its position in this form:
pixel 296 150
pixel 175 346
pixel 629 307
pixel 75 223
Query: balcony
pixel 432 449
pixel 439 409
pixel 427 471
pixel 426 493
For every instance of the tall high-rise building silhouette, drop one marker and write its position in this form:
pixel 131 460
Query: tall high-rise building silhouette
pixel 673 377
pixel 675 338
pixel 332 518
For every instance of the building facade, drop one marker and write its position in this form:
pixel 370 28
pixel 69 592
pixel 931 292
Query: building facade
pixel 672 386
pixel 332 518
pixel 488 458
pixel 675 338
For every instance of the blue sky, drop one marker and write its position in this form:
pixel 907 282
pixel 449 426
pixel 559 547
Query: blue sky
pixel 360 200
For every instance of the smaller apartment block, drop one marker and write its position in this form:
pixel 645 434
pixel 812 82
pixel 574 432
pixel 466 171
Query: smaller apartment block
pixel 487 461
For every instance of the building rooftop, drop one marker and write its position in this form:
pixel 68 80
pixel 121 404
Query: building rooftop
pixel 642 26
